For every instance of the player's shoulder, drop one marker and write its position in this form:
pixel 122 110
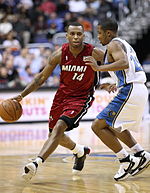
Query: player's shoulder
pixel 56 56
pixel 116 42
pixel 57 53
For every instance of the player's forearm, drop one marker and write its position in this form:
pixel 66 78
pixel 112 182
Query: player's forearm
pixel 115 66
pixel 34 85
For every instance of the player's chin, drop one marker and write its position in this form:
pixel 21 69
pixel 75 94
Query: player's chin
pixel 75 45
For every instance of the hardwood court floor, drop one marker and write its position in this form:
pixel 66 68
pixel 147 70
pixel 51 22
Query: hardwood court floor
pixel 20 142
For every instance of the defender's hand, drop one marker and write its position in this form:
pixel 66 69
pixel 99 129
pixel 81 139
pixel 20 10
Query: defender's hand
pixel 109 87
pixel 89 60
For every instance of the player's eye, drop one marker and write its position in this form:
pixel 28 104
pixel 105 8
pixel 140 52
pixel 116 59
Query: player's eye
pixel 79 34
pixel 72 33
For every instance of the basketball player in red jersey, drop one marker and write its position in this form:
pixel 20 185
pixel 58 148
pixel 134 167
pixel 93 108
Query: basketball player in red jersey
pixel 73 97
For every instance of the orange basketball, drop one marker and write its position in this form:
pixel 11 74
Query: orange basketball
pixel 10 110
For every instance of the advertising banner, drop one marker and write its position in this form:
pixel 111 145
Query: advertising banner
pixel 36 105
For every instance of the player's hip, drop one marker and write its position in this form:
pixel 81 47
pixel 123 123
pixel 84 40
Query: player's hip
pixel 128 105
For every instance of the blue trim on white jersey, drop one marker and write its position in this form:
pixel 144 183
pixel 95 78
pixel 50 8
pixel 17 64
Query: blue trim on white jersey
pixel 121 77
pixel 111 112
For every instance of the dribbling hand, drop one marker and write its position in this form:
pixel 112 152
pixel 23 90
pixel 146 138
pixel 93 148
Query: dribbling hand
pixel 18 98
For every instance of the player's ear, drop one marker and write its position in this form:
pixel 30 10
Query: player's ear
pixel 66 36
pixel 108 33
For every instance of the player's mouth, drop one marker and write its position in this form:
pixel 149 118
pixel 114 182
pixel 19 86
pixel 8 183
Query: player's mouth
pixel 76 42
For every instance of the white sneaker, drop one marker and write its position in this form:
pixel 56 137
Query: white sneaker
pixel 29 171
pixel 144 163
pixel 127 164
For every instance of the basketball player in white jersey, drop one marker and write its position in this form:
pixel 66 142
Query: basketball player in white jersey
pixel 125 111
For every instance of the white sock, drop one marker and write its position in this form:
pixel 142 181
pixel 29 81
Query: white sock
pixel 122 154
pixel 39 161
pixel 136 148
pixel 79 150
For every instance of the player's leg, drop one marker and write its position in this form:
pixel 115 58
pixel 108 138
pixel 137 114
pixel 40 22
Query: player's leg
pixel 47 149
pixel 126 137
pixel 72 116
pixel 127 162
pixel 64 110
pixel 68 143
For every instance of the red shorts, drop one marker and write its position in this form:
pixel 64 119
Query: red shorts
pixel 70 110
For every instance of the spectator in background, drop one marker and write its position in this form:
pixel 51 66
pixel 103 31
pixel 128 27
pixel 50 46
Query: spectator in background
pixel 54 19
pixel 122 8
pixel 34 13
pixel 26 4
pixel 106 10
pixel 40 29
pixel 62 8
pixel 13 76
pixel 52 30
pixel 77 6
pixel 86 24
pixel 22 26
pixel 91 10
pixel 69 17
pixel 3 77
pixel 40 26
pixel 11 42
pixel 6 54
pixel 26 76
pixel 47 7
pixel 21 61
pixel 5 25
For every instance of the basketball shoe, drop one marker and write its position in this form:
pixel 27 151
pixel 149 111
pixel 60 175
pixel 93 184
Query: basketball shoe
pixel 126 166
pixel 79 161
pixel 29 171
pixel 144 162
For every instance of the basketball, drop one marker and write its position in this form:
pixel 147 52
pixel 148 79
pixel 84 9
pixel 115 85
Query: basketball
pixel 10 110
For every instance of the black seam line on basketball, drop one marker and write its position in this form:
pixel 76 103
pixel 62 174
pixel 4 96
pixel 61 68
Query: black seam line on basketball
pixel 123 104
pixel 6 110
pixel 14 109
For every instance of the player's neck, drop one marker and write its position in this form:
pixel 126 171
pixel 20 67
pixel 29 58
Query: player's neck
pixel 76 51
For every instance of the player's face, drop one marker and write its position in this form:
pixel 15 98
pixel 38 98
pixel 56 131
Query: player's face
pixel 75 36
pixel 103 36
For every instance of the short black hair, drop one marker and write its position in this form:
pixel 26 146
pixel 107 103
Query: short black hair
pixel 109 24
pixel 74 24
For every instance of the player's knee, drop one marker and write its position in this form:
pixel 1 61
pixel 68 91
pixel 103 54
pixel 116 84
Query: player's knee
pixel 95 126
pixel 98 125
pixel 58 130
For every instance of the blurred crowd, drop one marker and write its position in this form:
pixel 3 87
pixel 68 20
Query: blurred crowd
pixel 23 22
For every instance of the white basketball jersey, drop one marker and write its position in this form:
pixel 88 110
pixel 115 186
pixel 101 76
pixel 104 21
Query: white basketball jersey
pixel 135 71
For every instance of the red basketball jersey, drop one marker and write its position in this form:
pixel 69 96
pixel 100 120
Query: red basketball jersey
pixel 77 79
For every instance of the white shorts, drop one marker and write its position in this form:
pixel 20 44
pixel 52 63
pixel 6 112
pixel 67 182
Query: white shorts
pixel 125 111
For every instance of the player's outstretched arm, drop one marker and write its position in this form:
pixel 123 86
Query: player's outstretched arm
pixel 41 77
pixel 118 60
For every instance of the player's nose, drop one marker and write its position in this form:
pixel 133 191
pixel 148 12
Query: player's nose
pixel 75 36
